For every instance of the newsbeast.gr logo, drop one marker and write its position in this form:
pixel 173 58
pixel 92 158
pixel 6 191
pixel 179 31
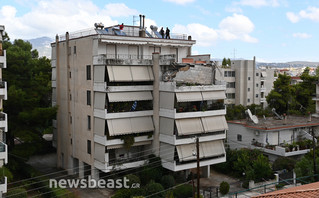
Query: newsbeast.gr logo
pixel 92 183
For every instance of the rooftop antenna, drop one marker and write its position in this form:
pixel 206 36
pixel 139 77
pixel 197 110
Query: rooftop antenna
pixel 235 50
pixel 252 117
pixel 135 19
pixel 274 111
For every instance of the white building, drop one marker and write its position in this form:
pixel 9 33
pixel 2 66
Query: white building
pixel 245 84
pixel 115 108
pixel 3 116
pixel 289 137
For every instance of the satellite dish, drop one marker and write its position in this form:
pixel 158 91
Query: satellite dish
pixel 252 117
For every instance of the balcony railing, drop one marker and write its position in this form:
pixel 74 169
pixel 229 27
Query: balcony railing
pixel 2 116
pixel 199 107
pixel 133 158
pixel 2 84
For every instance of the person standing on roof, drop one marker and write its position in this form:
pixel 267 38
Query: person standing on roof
pixel 162 32
pixel 167 33
pixel 121 26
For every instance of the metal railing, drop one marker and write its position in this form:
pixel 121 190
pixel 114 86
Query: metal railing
pixel 2 84
pixel 2 116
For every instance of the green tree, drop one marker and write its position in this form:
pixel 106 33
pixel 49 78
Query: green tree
pixel 228 62
pixel 281 97
pixel 224 63
pixel 29 92
pixel 224 187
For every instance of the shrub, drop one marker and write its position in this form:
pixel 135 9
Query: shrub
pixel 133 179
pixel 17 193
pixel 284 163
pixel 224 187
pixel 167 181
pixel 183 191
pixel 152 188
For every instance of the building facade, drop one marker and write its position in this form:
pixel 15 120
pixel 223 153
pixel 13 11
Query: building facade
pixel 117 101
pixel 245 84
pixel 3 116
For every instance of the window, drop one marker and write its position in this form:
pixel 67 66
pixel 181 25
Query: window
pixel 70 75
pixel 257 85
pixel 257 74
pixel 88 97
pixel 71 141
pixel 256 95
pixel 248 78
pixel 89 122
pixel 229 73
pixel 248 100
pixel 88 72
pixel 248 89
pixel 74 50
pixel 70 119
pixel 89 146
pixel 239 138
pixel 70 97
pixel 230 95
pixel 230 85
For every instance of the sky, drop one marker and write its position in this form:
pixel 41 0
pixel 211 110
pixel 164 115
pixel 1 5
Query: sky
pixel 271 30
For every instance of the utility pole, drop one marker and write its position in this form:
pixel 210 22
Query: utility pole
pixel 198 171
pixel 314 154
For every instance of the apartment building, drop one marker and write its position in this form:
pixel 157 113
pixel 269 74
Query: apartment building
pixel 245 84
pixel 122 96
pixel 3 116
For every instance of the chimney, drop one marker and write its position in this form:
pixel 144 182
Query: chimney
pixel 309 117
pixel 285 119
pixel 142 26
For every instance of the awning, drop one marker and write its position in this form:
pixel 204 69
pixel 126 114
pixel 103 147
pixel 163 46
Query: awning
pixel 135 144
pixel 130 73
pixel 213 95
pixel 188 96
pixel 213 148
pixel 214 123
pixel 263 74
pixel 130 96
pixel 189 126
pixel 119 73
pixel 123 42
pixel 125 126
pixel 142 73
pixel 206 149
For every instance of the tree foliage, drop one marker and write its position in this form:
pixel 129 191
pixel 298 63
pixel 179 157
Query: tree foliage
pixel 293 99
pixel 29 92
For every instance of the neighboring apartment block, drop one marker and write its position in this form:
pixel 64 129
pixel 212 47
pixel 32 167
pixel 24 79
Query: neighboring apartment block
pixel 245 84
pixel 122 96
pixel 289 137
pixel 3 116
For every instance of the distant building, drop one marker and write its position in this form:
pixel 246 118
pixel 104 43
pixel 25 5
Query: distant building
pixel 3 116
pixel 115 87
pixel 245 84
pixel 274 137
pixel 295 80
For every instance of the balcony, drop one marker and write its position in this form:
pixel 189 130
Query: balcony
pixel 172 113
pixel 4 121
pixel 175 166
pixel 3 185
pixel 262 89
pixel 117 141
pixel 179 140
pixel 4 152
pixel 3 59
pixel 284 150
pixel 3 90
pixel 262 99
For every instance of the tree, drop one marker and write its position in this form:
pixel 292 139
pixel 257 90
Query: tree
pixel 224 187
pixel 228 62
pixel 224 63
pixel 282 95
pixel 29 92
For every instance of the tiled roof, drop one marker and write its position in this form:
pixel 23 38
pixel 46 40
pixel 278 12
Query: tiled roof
pixel 303 191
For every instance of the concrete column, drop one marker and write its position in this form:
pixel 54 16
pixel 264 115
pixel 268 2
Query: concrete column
pixel 81 169
pixel 156 102
pixel 205 171
pixel 95 173
pixel 70 166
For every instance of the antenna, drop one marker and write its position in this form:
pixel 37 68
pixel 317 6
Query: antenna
pixel 274 111
pixel 252 117
pixel 235 50
pixel 135 19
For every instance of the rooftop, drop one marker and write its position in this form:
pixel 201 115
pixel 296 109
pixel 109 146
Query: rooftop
pixel 307 191
pixel 271 123
pixel 128 31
